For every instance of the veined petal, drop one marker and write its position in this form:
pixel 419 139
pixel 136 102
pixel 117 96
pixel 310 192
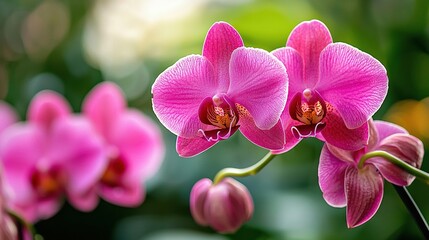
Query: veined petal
pixel 178 92
pixel 405 147
pixel 309 38
pixel 103 105
pixel 352 81
pixel 189 147
pixel 290 139
pixel 8 116
pixel 385 129
pixel 21 147
pixel 130 195
pixel 295 69
pixel 75 146
pixel 336 132
pixel 221 40
pixel 331 178
pixel 140 144
pixel 364 192
pixel 46 107
pixel 259 82
pixel 272 139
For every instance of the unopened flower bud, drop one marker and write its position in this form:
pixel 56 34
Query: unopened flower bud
pixel 224 206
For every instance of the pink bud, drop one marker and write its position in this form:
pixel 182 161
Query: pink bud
pixel 224 206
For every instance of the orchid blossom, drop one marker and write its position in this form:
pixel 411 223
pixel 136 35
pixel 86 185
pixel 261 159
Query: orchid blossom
pixel 205 99
pixel 52 155
pixel 334 88
pixel 346 181
pixel 133 143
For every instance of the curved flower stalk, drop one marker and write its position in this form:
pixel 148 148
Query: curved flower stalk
pixel 205 99
pixel 52 155
pixel 133 143
pixel 346 180
pixel 224 206
pixel 334 88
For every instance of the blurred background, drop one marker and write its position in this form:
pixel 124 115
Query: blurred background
pixel 69 46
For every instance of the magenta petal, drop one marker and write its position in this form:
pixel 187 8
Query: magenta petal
pixel 103 105
pixel 76 146
pixel 291 140
pixel 295 69
pixel 385 129
pixel 221 40
pixel 8 116
pixel 405 147
pixel 178 92
pixel 309 39
pixel 189 147
pixel 272 139
pixel 259 83
pixel 84 202
pixel 352 81
pixel 46 107
pixel 197 200
pixel 130 195
pixel 337 133
pixel 364 192
pixel 331 178
pixel 21 147
pixel 140 143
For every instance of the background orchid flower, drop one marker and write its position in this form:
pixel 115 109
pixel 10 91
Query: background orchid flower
pixel 52 155
pixel 224 206
pixel 133 142
pixel 343 183
pixel 334 88
pixel 8 116
pixel 205 99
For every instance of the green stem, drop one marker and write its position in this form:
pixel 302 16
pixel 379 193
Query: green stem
pixel 26 225
pixel 243 172
pixel 422 175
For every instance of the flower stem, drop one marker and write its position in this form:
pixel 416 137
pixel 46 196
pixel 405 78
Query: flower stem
pixel 413 209
pixel 422 175
pixel 243 172
pixel 24 225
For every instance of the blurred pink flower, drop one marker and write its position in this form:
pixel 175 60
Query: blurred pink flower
pixel 133 143
pixel 334 88
pixel 343 183
pixel 8 116
pixel 8 229
pixel 205 99
pixel 53 154
pixel 224 206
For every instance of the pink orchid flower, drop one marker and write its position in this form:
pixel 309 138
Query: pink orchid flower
pixel 52 155
pixel 205 99
pixel 334 88
pixel 8 116
pixel 133 142
pixel 224 206
pixel 360 189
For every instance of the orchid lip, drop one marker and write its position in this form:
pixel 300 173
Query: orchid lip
pixel 220 115
pixel 304 131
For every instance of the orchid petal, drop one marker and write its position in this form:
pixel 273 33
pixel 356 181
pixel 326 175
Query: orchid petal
pixel 290 139
pixel 364 192
pixel 331 178
pixel 294 67
pixel 140 144
pixel 46 107
pixel 103 105
pixel 272 139
pixel 251 71
pixel 385 129
pixel 337 133
pixel 21 146
pixel 76 146
pixel 309 39
pixel 405 147
pixel 353 82
pixel 8 116
pixel 178 92
pixel 84 202
pixel 221 40
pixel 189 147
pixel 130 195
